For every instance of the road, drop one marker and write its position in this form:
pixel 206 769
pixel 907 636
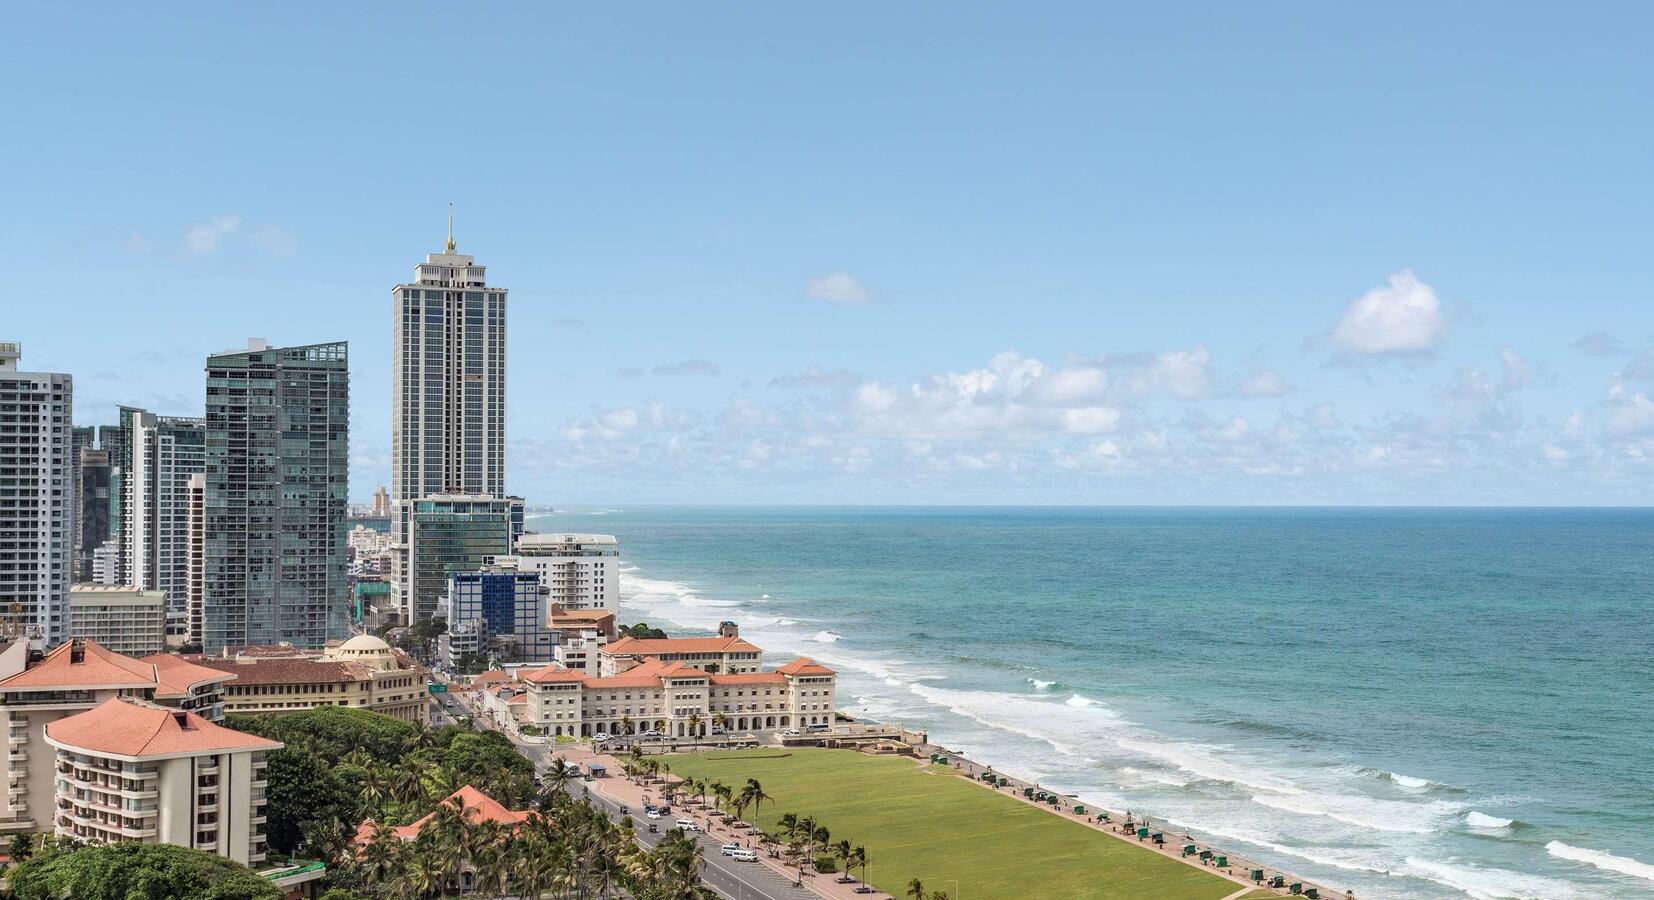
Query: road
pixel 735 880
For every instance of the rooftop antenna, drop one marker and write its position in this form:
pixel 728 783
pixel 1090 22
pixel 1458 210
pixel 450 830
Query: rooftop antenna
pixel 450 226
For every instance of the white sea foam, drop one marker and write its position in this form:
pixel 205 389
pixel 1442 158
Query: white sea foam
pixel 1408 781
pixel 1481 820
pixel 825 637
pixel 1077 700
pixel 1366 812
pixel 1486 883
pixel 1621 864
pixel 1155 777
pixel 1040 685
pixel 1205 762
pixel 1328 856
pixel 765 597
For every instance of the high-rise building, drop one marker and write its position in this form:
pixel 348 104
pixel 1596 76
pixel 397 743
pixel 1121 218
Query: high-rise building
pixel 277 467
pixel 447 533
pixel 195 570
pixel 448 380
pixel 579 571
pixel 381 503
pixel 162 453
pixel 37 500
pixel 92 525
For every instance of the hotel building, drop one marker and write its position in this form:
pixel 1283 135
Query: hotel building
pixel 362 673
pixel 726 654
pixel 76 677
pixel 496 611
pixel 581 636
pixel 679 699
pixel 37 500
pixel 579 571
pixel 277 466
pixel 132 771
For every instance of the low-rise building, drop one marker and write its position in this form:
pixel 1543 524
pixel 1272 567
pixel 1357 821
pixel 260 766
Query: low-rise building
pixel 474 807
pixel 722 655
pixel 581 633
pixel 496 611
pixel 128 770
pixel 122 619
pixel 363 672
pixel 678 700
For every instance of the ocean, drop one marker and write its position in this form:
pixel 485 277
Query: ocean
pixel 1408 703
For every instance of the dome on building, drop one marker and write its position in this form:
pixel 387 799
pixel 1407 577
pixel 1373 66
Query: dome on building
pixel 365 649
pixel 365 643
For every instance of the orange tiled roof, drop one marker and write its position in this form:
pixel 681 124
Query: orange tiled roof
pixel 266 670
pixel 626 680
pixel 803 666
pixel 476 807
pixel 750 678
pixel 656 646
pixel 97 666
pixel 679 670
pixel 492 676
pixel 179 676
pixel 132 728
pixel 550 674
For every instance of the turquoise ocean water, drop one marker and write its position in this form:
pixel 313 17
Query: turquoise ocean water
pixel 1409 703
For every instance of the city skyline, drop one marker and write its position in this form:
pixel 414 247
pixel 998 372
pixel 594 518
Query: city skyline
pixel 1223 265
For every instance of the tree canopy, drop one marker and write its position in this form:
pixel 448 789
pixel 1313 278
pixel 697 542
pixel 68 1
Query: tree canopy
pixel 134 871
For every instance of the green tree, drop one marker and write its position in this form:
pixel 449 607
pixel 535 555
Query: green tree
pixel 304 791
pixel 129 870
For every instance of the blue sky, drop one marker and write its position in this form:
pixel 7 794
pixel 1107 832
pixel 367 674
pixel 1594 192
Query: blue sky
pixel 884 253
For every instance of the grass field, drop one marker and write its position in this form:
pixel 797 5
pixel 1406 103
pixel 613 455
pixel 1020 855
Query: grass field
pixel 950 834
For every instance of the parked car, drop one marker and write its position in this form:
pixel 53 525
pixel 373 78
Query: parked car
pixel 651 813
pixel 719 729
pixel 687 825
pixel 727 849
pixel 601 736
pixel 743 855
pixel 818 728
pixel 789 731
pixel 651 734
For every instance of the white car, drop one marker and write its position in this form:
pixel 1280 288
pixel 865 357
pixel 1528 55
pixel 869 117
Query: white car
pixel 688 825
pixel 601 736
pixel 652 813
pixel 730 849
pixel 743 855
pixel 651 735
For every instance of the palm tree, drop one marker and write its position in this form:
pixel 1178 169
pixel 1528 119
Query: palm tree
pixel 842 848
pixel 859 857
pixel 723 793
pixel 626 724
pixel 422 876
pixel 379 857
pixel 916 889
pixel 719 720
pixel 756 791
pixel 694 724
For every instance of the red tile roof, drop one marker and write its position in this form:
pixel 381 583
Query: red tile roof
pixel 134 729
pixel 97 667
pixel 550 674
pixel 179 676
pixel 803 666
pixel 292 671
pixel 475 805
pixel 656 646
pixel 750 678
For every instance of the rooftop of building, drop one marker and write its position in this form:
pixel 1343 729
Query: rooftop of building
pixel 535 539
pixel 630 646
pixel 119 595
pixel 79 664
pixel 290 670
pixel 178 676
pixel 133 729
pixel 804 666
pixel 474 805
pixel 651 671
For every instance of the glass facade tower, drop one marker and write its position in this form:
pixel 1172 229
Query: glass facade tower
pixel 277 467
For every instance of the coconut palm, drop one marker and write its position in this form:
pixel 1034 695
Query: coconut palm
pixel 626 724
pixel 858 856
pixel 916 889
pixel 843 848
pixel 694 724
pixel 719 720
pixel 756 792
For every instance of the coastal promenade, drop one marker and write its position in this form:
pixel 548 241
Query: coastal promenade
pixel 1128 825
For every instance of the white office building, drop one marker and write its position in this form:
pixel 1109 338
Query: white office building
pixel 579 571
pixel 38 504
pixel 164 453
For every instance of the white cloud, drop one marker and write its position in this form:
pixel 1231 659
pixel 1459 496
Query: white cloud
pixel 1630 413
pixel 837 287
pixel 1323 415
pixel 875 397
pixel 1184 374
pixel 1090 420
pixel 1267 383
pixel 201 240
pixel 1065 386
pixel 1403 317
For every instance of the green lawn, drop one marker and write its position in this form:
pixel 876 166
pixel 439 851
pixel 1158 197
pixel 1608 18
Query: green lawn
pixel 974 843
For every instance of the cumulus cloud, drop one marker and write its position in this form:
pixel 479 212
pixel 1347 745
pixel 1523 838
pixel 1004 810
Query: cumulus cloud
pixel 1599 343
pixel 1265 383
pixel 688 367
pixel 837 287
pixel 1404 317
pixel 1517 369
pixel 202 240
pixel 1630 413
pixel 1184 374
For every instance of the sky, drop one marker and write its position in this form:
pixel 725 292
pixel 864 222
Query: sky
pixel 882 253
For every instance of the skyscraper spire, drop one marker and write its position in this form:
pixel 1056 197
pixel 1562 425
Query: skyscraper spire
pixel 450 226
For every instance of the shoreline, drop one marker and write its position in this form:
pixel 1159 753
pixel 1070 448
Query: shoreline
pixel 1115 821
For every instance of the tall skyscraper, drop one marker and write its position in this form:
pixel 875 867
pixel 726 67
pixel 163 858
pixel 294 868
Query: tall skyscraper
pixel 162 453
pixel 277 467
pixel 92 525
pixel 447 533
pixel 448 380
pixel 37 500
